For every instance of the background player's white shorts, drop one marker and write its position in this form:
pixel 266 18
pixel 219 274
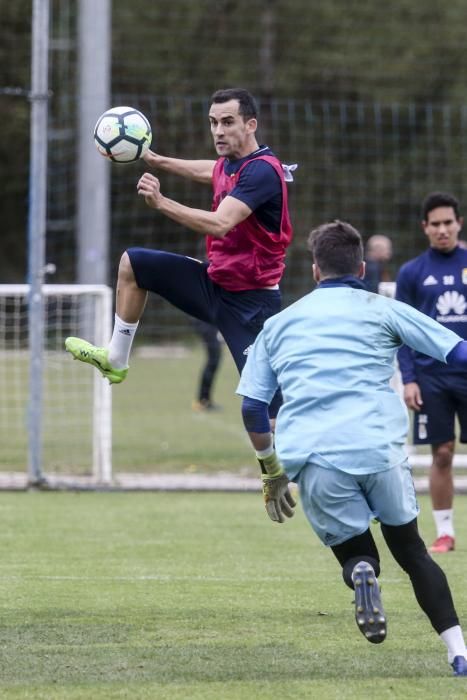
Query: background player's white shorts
pixel 340 505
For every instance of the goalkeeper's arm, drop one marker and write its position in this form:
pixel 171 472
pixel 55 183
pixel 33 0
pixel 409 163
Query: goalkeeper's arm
pixel 277 497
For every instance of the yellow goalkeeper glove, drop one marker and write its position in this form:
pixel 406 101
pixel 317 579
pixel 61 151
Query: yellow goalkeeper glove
pixel 277 497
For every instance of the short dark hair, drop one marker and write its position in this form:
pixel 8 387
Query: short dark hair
pixel 247 105
pixel 439 199
pixel 337 249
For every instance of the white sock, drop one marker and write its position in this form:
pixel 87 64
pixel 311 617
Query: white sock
pixel 263 454
pixel 121 342
pixel 444 522
pixel 454 640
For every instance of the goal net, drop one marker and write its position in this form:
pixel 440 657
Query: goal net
pixel 76 405
pixel 416 458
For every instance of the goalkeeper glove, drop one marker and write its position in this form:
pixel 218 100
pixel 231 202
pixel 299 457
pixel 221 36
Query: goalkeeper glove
pixel 277 497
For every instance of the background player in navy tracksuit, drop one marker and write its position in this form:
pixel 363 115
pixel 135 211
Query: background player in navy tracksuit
pixel 212 345
pixel 436 283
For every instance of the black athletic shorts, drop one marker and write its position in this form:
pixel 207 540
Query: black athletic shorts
pixel 184 282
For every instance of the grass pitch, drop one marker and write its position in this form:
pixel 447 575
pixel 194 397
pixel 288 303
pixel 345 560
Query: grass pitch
pixel 155 428
pixel 199 596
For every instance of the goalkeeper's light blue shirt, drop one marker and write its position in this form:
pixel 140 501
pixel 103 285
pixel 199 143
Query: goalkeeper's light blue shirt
pixel 333 354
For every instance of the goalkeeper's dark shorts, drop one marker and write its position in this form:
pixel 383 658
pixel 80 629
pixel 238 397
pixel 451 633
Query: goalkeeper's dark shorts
pixel 444 397
pixel 184 282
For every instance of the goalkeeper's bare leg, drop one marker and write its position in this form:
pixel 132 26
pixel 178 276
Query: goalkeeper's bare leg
pixel 113 361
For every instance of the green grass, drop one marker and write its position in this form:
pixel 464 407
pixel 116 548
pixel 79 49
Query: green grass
pixel 155 428
pixel 199 596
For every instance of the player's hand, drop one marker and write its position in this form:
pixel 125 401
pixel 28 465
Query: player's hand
pixel 413 396
pixel 149 187
pixel 279 501
pixel 277 497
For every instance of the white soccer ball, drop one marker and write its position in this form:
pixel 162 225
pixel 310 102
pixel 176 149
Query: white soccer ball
pixel 122 134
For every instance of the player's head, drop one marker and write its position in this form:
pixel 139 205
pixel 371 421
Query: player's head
pixel 434 200
pixel 337 250
pixel 441 221
pixel 378 248
pixel 247 107
pixel 233 119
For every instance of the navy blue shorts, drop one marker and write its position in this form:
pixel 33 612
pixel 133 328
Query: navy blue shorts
pixel 444 397
pixel 184 282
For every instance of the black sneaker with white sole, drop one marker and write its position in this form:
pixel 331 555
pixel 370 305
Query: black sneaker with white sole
pixel 369 612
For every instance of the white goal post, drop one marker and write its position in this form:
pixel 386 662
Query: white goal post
pixel 77 406
pixel 416 459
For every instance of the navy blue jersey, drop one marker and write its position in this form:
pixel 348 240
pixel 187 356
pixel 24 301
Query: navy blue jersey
pixel 436 284
pixel 373 275
pixel 258 187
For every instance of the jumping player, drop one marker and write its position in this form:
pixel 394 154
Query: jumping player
pixel 436 283
pixel 340 432
pixel 247 233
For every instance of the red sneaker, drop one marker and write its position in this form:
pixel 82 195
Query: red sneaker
pixel 443 544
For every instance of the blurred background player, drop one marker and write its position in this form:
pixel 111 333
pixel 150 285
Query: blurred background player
pixel 435 282
pixel 340 433
pixel 212 345
pixel 247 233
pixel 378 253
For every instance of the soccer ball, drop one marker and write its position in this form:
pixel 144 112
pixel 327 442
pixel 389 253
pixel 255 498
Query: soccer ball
pixel 122 134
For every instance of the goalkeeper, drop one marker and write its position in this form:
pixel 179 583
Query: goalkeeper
pixel 341 430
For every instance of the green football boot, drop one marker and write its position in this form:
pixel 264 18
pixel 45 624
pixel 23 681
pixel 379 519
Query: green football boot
pixel 97 357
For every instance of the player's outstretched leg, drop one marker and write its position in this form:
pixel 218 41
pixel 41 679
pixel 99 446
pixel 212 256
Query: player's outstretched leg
pixel 369 613
pixel 97 357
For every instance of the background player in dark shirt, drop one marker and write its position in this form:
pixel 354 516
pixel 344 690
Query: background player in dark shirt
pixel 378 253
pixel 436 283
pixel 247 233
pixel 212 345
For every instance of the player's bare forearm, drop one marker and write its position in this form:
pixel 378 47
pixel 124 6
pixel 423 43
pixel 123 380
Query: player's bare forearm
pixel 196 170
pixel 261 441
pixel 212 223
pixel 198 220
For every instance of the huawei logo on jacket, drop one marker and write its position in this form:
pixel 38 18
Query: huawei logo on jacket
pixel 451 306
